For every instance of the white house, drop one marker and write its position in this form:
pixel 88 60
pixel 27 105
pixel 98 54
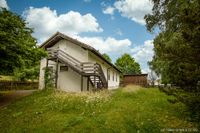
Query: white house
pixel 76 66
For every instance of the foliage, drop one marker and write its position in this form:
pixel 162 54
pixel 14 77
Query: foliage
pixel 107 57
pixel 48 78
pixel 105 111
pixel 27 74
pixel 128 65
pixel 177 48
pixel 18 49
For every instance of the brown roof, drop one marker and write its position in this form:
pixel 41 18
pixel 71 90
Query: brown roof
pixel 59 36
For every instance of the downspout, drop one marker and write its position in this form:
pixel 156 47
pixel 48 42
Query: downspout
pixel 107 75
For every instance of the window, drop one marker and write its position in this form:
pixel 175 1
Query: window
pixel 116 76
pixel 108 74
pixel 113 76
pixel 63 68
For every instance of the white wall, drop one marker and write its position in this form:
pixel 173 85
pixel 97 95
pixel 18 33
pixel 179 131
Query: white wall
pixel 42 71
pixel 74 50
pixel 113 84
pixel 69 81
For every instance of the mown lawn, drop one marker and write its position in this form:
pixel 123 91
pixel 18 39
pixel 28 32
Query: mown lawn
pixel 124 110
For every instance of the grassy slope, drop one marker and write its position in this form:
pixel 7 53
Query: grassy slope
pixel 119 111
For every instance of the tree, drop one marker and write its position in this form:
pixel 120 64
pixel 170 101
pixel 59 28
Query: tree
pixel 107 57
pixel 177 48
pixel 127 65
pixel 18 49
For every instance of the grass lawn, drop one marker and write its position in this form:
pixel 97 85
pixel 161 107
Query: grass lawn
pixel 130 109
pixel 6 78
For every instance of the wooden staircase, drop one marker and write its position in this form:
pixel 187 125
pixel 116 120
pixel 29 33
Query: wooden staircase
pixel 87 69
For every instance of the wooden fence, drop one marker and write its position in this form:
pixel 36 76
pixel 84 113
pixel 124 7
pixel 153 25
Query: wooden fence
pixel 136 79
pixel 18 85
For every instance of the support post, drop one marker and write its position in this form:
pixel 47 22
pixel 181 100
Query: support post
pixel 45 72
pixel 94 81
pixel 81 82
pixel 47 63
pixel 56 82
pixel 94 75
pixel 88 84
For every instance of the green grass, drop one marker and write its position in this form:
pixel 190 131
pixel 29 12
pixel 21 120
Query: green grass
pixel 143 110
pixel 6 78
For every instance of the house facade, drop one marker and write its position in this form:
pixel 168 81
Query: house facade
pixel 76 66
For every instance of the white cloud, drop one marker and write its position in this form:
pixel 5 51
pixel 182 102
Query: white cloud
pixel 87 1
pixel 115 48
pixel 134 9
pixel 109 10
pixel 3 4
pixel 119 32
pixel 46 22
pixel 103 3
pixel 143 54
pixel 107 45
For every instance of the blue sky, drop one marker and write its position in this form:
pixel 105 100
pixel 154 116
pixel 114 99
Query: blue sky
pixel 112 27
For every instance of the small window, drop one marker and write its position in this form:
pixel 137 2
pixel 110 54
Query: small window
pixel 116 76
pixel 113 76
pixel 108 74
pixel 63 68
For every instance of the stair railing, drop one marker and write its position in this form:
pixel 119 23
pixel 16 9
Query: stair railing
pixel 89 68
pixel 100 71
